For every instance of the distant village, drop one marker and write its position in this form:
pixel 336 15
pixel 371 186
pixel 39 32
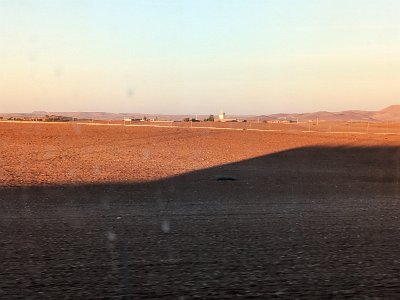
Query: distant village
pixel 126 119
pixel 47 118
pixel 211 118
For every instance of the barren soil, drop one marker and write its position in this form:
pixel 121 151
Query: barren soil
pixel 132 212
pixel 32 154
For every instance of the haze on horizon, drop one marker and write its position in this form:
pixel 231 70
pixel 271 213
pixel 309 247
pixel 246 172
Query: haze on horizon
pixel 180 57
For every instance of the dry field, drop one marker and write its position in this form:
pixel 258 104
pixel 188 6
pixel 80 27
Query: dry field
pixel 182 213
pixel 343 127
pixel 321 126
pixel 66 153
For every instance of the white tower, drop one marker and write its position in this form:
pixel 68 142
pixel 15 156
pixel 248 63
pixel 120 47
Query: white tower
pixel 221 116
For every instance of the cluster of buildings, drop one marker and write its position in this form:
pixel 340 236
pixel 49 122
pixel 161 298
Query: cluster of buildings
pixel 51 118
pixel 222 118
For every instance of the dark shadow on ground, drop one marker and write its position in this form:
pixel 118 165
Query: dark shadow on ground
pixel 305 223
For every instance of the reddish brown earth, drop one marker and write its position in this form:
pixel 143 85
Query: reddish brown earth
pixel 127 212
pixel 32 154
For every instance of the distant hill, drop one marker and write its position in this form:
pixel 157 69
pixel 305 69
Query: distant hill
pixel 391 114
pixel 100 115
pixel 115 116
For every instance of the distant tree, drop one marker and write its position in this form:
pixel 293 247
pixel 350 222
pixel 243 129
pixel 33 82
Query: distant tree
pixel 209 119
pixel 186 120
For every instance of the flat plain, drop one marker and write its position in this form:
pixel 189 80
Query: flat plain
pixel 181 213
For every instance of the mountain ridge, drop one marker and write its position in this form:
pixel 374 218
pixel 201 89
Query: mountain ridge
pixel 390 113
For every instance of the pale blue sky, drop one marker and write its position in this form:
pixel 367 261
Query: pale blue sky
pixel 243 57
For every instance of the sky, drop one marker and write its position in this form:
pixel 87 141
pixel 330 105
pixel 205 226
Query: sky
pixel 203 56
